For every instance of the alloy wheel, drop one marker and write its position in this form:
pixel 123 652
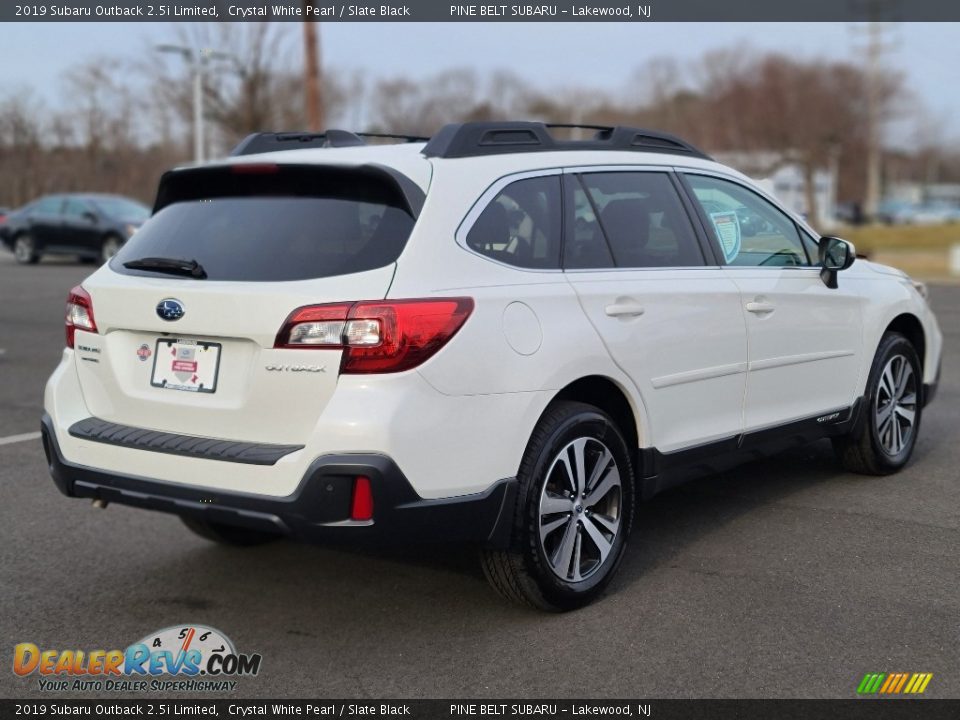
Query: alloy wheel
pixel 895 410
pixel 580 509
pixel 111 246
pixel 23 249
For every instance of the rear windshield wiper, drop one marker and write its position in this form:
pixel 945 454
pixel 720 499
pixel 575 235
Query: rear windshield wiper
pixel 173 266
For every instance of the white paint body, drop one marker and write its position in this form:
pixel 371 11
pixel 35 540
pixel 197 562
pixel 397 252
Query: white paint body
pixel 695 366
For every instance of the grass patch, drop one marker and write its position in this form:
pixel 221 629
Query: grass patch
pixel 871 238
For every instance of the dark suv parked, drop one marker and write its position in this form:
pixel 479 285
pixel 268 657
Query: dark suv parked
pixel 93 227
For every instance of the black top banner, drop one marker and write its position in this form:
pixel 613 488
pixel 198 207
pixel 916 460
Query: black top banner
pixel 445 11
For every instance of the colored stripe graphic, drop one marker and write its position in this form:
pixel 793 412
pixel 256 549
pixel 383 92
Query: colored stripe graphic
pixel 894 683
pixel 891 680
pixel 903 679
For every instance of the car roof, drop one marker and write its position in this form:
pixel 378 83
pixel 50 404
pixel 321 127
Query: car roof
pixel 84 196
pixel 98 196
pixel 408 159
pixel 491 148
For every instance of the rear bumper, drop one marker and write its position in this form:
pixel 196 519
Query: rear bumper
pixel 317 511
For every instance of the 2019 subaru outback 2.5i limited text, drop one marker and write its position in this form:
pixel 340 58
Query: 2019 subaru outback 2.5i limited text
pixel 495 337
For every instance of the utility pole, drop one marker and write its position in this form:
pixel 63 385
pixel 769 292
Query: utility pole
pixel 874 50
pixel 312 74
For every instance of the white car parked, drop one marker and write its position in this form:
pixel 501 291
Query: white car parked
pixel 496 337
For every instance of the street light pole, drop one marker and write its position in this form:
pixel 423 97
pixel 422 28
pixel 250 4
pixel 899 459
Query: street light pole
pixel 197 60
pixel 198 135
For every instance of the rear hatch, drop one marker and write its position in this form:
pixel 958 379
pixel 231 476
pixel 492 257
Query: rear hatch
pixel 188 312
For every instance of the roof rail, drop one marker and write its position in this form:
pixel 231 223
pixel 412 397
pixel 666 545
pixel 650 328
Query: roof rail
pixel 475 139
pixel 263 142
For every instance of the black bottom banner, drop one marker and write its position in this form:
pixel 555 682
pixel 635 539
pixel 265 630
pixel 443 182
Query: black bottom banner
pixel 868 709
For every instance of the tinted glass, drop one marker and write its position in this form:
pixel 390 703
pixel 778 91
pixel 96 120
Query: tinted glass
pixel 643 219
pixel 122 209
pixel 521 226
pixel 812 247
pixel 748 229
pixel 47 206
pixel 272 238
pixel 75 209
pixel 586 246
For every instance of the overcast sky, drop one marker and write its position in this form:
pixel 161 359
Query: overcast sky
pixel 584 54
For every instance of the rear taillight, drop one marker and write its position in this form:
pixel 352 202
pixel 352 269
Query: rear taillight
pixel 377 336
pixel 79 313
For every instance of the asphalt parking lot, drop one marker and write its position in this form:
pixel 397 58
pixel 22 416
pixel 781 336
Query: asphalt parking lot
pixel 784 578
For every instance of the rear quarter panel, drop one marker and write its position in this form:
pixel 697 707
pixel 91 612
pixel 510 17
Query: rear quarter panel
pixel 528 332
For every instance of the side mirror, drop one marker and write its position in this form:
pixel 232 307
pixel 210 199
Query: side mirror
pixel 835 255
pixel 90 217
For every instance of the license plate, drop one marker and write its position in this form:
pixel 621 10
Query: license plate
pixel 189 365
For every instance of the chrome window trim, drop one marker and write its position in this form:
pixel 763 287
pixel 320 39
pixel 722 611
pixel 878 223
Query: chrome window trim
pixel 671 268
pixel 583 169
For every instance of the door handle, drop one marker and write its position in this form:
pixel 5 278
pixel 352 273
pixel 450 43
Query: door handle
pixel 623 307
pixel 759 308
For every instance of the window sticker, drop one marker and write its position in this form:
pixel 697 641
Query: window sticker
pixel 727 226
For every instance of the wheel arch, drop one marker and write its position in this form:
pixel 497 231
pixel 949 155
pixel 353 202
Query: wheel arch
pixel 909 325
pixel 611 397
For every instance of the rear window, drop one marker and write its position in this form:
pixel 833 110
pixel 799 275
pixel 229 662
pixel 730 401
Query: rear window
pixel 268 224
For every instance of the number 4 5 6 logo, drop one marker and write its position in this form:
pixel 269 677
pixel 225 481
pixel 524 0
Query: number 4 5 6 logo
pixel 189 650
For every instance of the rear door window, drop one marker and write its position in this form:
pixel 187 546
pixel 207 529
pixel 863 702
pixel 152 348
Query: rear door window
pixel 275 224
pixel 642 218
pixel 585 246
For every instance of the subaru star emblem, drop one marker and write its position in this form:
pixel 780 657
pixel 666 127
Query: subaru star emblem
pixel 170 310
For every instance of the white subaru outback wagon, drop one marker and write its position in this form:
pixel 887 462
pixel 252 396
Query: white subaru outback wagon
pixel 495 336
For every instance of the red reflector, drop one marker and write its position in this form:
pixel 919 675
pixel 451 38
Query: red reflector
pixel 362 506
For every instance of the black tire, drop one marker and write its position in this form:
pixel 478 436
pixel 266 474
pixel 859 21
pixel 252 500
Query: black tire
pixel 24 250
pixel 868 449
pixel 227 534
pixel 525 573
